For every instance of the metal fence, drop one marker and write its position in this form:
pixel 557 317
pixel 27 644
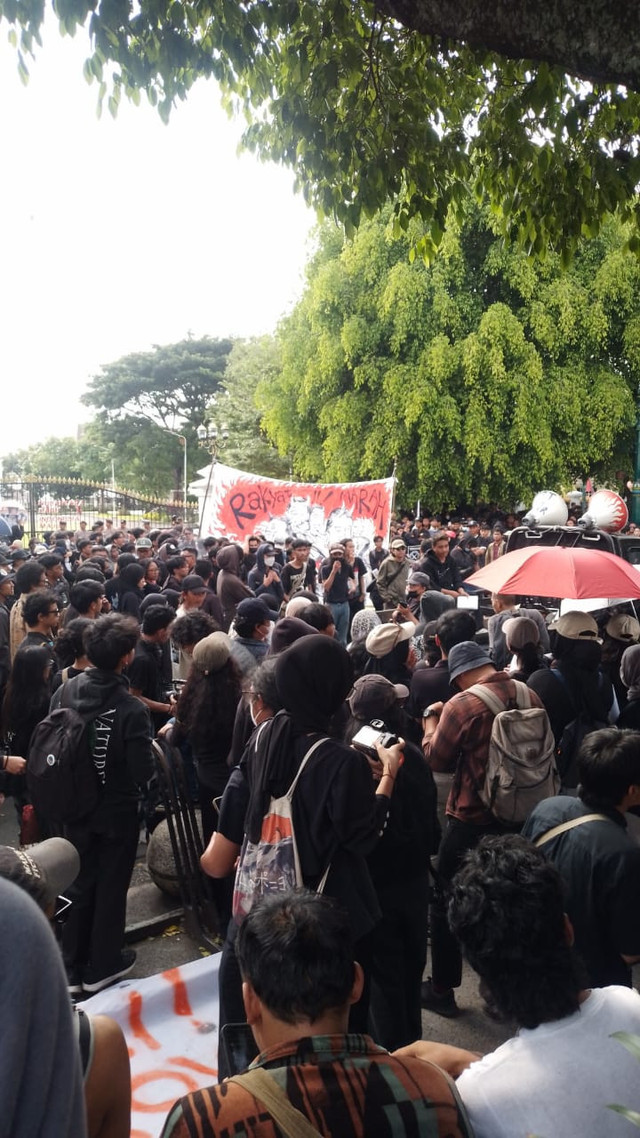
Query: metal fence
pixel 40 504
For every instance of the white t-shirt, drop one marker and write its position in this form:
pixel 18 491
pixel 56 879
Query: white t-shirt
pixel 558 1080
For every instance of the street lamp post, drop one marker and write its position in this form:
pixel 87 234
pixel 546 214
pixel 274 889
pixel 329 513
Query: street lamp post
pixel 183 442
pixel 212 438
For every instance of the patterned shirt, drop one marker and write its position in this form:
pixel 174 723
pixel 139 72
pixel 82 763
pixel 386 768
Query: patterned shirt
pixel 460 744
pixel 347 1087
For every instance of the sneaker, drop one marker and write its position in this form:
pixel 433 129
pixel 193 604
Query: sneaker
pixel 93 983
pixel 74 985
pixel 442 1003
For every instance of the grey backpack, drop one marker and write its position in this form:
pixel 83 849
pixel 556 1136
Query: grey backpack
pixel 521 766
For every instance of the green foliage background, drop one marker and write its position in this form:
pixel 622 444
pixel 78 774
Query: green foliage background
pixel 484 377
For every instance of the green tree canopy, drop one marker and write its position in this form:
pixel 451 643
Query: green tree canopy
pixel 250 363
pixel 141 397
pixel 485 376
pixel 424 102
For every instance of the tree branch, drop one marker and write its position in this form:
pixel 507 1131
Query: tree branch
pixel 593 39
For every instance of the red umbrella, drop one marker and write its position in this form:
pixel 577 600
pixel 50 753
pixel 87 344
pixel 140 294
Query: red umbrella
pixel 557 571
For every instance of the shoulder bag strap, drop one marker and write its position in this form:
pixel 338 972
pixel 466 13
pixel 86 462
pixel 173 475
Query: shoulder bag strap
pixel 489 698
pixel 312 748
pixel 291 1121
pixel 564 827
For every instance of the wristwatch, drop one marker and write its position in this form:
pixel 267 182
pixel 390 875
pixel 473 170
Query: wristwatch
pixel 428 712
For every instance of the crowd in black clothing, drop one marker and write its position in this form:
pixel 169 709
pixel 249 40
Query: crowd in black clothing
pixel 254 660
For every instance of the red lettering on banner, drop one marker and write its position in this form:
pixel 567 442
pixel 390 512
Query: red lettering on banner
pixel 249 504
pixel 181 1005
pixel 135 1022
pixel 193 1066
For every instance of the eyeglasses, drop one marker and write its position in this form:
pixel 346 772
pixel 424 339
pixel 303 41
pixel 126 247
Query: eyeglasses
pixel 53 612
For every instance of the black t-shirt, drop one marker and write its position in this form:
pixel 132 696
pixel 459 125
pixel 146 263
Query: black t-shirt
pixel 146 676
pixel 600 864
pixel 339 591
pixel 292 577
pixel 428 685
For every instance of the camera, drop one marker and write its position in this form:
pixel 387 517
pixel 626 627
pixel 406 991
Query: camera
pixel 375 732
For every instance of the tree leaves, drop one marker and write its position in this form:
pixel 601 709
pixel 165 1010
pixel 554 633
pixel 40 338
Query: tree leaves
pixel 484 375
pixel 364 111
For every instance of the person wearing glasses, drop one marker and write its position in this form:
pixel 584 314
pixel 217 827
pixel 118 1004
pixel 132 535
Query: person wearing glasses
pixel 41 615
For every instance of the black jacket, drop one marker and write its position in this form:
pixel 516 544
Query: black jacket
pixel 122 747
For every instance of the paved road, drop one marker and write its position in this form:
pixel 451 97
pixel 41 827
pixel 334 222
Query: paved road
pixel 172 947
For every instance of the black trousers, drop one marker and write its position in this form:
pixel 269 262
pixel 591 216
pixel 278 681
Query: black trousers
pixel 399 958
pixel 458 838
pixel 93 934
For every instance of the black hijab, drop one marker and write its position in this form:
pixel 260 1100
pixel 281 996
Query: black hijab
pixel 313 678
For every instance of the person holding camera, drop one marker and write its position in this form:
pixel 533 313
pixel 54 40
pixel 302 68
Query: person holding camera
pixel 399 863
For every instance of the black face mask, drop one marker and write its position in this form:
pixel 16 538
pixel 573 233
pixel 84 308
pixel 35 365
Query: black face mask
pixel 411 596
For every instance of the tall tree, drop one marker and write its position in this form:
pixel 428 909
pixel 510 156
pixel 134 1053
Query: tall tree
pixel 250 363
pixel 485 376
pixel 159 395
pixel 425 102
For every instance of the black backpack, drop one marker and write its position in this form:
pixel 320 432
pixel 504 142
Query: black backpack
pixel 62 779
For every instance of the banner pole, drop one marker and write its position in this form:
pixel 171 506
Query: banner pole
pixel 394 482
pixel 206 495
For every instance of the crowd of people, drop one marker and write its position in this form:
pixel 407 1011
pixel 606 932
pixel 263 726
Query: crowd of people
pixel 340 686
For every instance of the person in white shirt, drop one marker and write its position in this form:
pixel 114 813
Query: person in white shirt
pixel 564 1070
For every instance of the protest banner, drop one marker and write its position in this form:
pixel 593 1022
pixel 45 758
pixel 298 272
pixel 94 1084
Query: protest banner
pixel 238 504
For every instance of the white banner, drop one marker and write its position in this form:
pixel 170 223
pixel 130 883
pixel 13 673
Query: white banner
pixel 239 504
pixel 170 1022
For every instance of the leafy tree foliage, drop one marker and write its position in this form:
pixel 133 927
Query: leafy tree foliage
pixel 370 101
pixel 485 376
pixel 250 363
pixel 142 396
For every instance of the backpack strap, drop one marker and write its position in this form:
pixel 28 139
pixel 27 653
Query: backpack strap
pixel 493 701
pixel 291 1121
pixel 564 827
pixel 312 748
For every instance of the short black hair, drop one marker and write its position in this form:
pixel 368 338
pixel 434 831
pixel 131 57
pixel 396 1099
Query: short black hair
pixel 109 638
pixel 192 627
pixel 90 572
pixel 455 627
pixel 84 594
pixel 50 560
pixel 36 605
pixel 174 563
pixel 507 911
pixel 28 577
pixel 156 617
pixel 608 764
pixel 296 951
pixel 203 568
pixel 319 616
pixel 125 559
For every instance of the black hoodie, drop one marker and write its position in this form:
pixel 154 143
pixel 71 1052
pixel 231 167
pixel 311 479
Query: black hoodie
pixel 122 748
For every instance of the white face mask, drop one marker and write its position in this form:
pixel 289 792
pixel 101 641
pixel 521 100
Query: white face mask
pixel 269 561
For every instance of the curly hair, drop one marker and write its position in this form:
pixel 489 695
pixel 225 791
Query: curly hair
pixel 506 908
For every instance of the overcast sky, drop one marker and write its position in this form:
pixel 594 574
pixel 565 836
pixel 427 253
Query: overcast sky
pixel 117 235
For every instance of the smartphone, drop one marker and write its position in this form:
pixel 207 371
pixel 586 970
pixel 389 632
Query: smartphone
pixel 238 1045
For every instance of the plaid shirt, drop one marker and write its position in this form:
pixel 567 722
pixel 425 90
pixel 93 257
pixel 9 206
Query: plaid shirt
pixel 460 745
pixel 345 1085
